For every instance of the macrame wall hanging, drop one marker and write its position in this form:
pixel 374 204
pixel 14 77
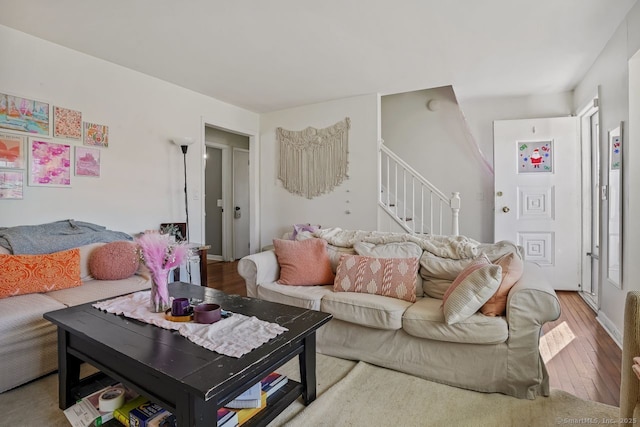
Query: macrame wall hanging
pixel 314 161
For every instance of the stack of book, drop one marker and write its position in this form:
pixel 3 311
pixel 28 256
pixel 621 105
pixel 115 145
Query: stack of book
pixel 227 418
pixel 87 410
pixel 248 399
pixel 147 415
pixel 252 401
pixel 140 412
pixel 246 414
pixel 272 383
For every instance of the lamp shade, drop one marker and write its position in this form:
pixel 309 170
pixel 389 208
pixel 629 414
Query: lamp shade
pixel 183 140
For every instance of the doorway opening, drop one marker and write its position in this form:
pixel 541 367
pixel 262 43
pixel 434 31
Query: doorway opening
pixel 591 203
pixel 226 228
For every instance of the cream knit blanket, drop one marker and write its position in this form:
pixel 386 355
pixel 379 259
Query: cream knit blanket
pixel 453 247
pixel 233 336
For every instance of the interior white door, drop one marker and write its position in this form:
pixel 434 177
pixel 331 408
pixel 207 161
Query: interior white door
pixel 213 179
pixel 537 193
pixel 240 203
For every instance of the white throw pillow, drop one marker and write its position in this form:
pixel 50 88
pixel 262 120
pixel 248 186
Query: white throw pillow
pixel 472 288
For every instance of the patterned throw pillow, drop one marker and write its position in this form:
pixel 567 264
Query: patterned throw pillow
pixel 303 262
pixel 471 289
pixel 114 261
pixel 393 250
pixel 390 277
pixel 27 274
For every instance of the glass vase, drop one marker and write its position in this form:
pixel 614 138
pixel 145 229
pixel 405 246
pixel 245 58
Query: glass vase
pixel 159 299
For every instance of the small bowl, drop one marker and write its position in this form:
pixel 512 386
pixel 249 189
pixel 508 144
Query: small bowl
pixel 206 313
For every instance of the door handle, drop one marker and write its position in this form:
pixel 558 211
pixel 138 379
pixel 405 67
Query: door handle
pixel 505 209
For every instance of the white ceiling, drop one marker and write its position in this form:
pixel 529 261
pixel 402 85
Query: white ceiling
pixel 275 54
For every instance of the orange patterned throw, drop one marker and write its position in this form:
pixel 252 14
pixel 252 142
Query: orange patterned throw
pixel 390 277
pixel 27 274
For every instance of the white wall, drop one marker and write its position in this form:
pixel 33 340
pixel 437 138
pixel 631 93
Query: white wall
pixel 281 209
pixel 609 76
pixel 481 113
pixel 452 146
pixel 141 182
pixel 437 144
pixel 631 228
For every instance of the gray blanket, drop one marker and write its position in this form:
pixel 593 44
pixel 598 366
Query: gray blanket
pixel 56 236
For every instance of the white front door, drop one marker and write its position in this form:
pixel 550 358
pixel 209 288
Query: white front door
pixel 538 192
pixel 240 203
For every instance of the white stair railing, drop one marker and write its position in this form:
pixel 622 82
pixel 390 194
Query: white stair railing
pixel 412 201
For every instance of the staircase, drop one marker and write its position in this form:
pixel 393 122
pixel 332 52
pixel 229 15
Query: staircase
pixel 412 201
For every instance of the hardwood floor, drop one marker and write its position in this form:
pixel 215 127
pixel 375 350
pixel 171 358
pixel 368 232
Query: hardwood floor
pixel 588 361
pixel 224 277
pixel 583 359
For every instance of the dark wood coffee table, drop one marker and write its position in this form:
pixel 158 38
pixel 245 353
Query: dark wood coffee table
pixel 186 379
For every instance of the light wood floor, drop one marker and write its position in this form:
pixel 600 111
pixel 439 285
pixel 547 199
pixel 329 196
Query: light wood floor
pixel 589 365
pixel 586 362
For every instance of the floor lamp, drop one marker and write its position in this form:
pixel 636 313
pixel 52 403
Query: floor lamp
pixel 184 142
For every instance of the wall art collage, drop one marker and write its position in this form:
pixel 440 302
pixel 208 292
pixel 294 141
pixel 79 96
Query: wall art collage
pixel 48 142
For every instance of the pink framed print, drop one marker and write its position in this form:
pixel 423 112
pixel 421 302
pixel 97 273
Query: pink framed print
pixel 12 151
pixel 87 161
pixel 11 185
pixel 24 114
pixel 67 123
pixel 95 134
pixel 49 163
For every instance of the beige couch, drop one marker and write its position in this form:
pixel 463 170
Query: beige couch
pixel 28 342
pixel 482 353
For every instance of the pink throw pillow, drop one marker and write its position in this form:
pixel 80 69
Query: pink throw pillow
pixel 390 277
pixel 303 262
pixel 512 268
pixel 114 261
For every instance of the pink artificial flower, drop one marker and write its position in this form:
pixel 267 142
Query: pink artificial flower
pixel 161 255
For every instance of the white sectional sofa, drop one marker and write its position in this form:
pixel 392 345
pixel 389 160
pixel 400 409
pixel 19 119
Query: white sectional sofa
pixel 28 342
pixel 482 353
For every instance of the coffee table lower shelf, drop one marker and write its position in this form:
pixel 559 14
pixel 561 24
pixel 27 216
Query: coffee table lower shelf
pixel 276 403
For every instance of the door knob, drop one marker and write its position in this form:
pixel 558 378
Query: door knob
pixel 505 209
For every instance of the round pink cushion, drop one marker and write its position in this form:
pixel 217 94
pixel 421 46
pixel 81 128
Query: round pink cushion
pixel 114 261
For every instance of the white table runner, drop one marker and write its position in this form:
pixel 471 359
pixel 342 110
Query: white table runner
pixel 234 336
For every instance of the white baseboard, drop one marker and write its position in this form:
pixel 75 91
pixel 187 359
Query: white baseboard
pixel 589 300
pixel 610 328
pixel 214 257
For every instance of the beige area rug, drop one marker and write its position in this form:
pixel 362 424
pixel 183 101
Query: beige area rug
pixel 359 394
pixel 373 396
pixel 36 404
